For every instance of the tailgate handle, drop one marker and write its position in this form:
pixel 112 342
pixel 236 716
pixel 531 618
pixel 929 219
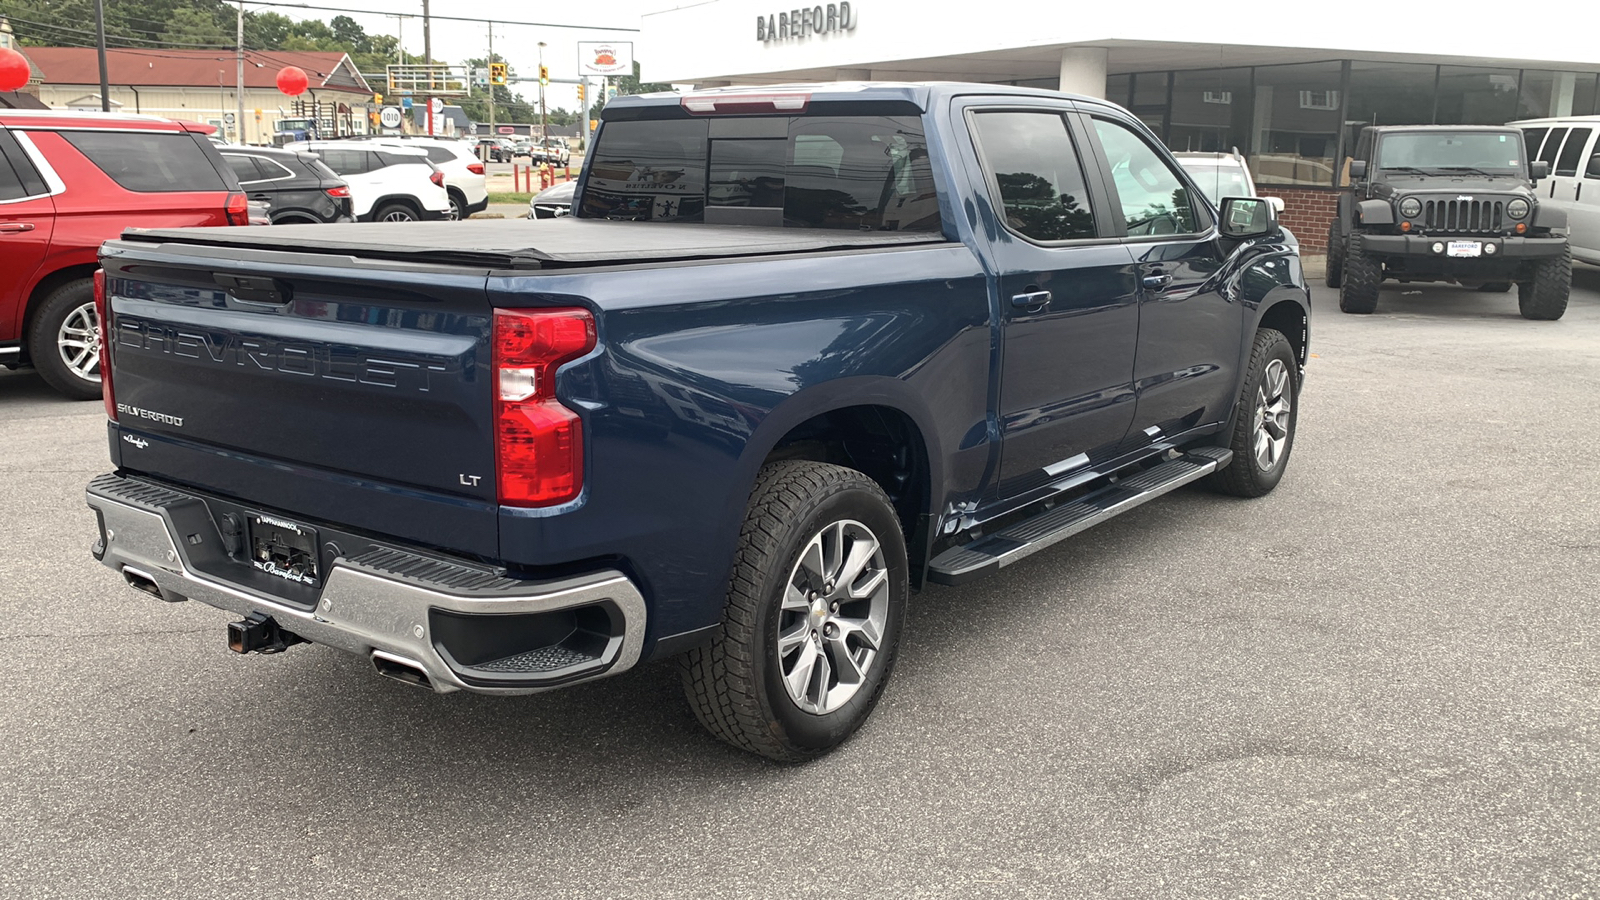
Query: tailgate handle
pixel 255 290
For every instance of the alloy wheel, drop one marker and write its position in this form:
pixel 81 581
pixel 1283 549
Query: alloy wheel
pixel 831 625
pixel 1273 406
pixel 78 342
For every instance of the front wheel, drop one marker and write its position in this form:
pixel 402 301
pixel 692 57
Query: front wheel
pixel 1544 296
pixel 1263 428
pixel 1358 293
pixel 64 342
pixel 814 612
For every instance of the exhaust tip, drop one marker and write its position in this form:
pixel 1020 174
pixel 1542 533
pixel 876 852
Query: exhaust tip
pixel 401 669
pixel 141 581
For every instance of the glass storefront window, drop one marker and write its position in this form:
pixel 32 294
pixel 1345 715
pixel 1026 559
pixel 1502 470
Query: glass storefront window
pixel 1386 94
pixel 1295 124
pixel 1210 110
pixel 1473 96
pixel 1150 101
pixel 1586 94
pixel 1117 88
pixel 1552 94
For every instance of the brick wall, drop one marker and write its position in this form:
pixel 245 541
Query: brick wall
pixel 1307 213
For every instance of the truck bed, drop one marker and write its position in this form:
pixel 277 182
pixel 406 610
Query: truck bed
pixel 544 244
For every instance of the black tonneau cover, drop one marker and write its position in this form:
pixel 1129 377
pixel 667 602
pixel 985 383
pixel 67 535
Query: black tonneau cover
pixel 534 243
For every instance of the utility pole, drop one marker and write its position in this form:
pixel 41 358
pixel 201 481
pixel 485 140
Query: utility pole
pixel 489 64
pixel 238 122
pixel 427 59
pixel 100 47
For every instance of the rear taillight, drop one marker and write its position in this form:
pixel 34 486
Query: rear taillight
pixel 538 442
pixel 101 308
pixel 475 168
pixel 437 178
pixel 238 210
pixel 341 192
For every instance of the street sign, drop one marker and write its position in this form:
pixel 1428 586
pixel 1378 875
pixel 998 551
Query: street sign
pixel 605 57
pixel 227 118
pixel 390 117
pixel 405 103
pixel 438 106
pixel 506 129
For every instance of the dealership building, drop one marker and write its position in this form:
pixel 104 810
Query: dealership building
pixel 1290 91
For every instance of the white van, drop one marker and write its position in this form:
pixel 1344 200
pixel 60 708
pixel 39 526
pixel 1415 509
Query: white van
pixel 1569 145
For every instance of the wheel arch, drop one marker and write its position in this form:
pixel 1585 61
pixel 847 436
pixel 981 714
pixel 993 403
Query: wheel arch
pixel 876 426
pixel 403 199
pixel 1293 320
pixel 43 288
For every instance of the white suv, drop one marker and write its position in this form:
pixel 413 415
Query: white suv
pixel 463 172
pixel 387 183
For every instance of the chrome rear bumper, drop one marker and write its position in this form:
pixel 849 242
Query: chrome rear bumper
pixel 389 603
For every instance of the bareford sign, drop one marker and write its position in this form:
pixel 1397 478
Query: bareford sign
pixel 797 24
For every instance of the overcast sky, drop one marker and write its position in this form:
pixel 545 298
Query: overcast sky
pixel 455 42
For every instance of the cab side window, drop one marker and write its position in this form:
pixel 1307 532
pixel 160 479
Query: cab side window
pixel 1035 169
pixel 1572 152
pixel 1153 198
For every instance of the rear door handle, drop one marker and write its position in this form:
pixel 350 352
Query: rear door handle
pixel 16 227
pixel 1031 300
pixel 261 197
pixel 1157 282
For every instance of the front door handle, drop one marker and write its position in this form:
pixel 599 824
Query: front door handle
pixel 1157 282
pixel 1031 300
pixel 16 227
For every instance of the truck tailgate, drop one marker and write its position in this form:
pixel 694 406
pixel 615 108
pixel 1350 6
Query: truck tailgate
pixel 349 391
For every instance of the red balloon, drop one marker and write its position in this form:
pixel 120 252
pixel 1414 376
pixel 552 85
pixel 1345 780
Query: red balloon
pixel 292 80
pixel 14 71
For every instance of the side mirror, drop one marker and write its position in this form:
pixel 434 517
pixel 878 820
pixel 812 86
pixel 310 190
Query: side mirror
pixel 1538 169
pixel 1248 217
pixel 1277 204
pixel 1358 168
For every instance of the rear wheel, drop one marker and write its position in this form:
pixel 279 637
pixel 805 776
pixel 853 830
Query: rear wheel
pixel 1333 272
pixel 1362 274
pixel 458 207
pixel 1544 296
pixel 814 612
pixel 64 342
pixel 395 212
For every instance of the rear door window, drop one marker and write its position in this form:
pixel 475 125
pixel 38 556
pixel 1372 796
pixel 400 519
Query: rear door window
pixel 18 177
pixel 244 167
pixel 344 161
pixel 1572 152
pixel 1034 168
pixel 862 173
pixel 1552 146
pixel 147 162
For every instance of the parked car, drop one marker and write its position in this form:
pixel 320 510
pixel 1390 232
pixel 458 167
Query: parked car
pixel 935 346
pixel 70 181
pixel 1452 203
pixel 1570 147
pixel 1220 175
pixel 387 183
pixel 495 150
pixel 464 179
pixel 296 188
pixel 553 202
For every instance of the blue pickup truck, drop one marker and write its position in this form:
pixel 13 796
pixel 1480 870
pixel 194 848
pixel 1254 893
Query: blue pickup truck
pixel 797 352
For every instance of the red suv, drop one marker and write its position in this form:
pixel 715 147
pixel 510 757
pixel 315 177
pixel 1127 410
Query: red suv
pixel 70 180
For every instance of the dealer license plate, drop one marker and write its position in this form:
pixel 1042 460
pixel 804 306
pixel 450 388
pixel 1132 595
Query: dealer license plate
pixel 1464 248
pixel 285 549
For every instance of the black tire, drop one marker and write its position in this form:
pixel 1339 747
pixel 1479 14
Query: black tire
pixel 56 363
pixel 1333 272
pixel 1544 296
pixel 458 206
pixel 735 685
pixel 1495 287
pixel 1362 274
pixel 396 212
pixel 1245 476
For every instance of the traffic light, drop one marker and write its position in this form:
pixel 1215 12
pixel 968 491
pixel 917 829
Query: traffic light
pixel 497 73
pixel 580 92
pixel 544 75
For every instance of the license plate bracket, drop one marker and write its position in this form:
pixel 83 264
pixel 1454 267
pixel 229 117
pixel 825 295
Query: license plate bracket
pixel 1464 249
pixel 283 549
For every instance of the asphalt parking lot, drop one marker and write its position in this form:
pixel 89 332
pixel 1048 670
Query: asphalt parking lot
pixel 1381 680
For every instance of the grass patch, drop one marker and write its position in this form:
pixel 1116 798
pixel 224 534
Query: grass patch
pixel 509 197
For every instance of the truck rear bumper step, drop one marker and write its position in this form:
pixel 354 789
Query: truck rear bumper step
pixel 461 628
pixel 1023 539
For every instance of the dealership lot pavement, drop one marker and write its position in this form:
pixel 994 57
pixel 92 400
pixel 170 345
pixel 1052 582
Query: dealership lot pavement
pixel 1381 680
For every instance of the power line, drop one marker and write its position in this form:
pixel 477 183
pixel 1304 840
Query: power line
pixel 369 12
pixel 119 37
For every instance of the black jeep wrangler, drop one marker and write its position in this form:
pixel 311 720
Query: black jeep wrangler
pixel 1448 203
